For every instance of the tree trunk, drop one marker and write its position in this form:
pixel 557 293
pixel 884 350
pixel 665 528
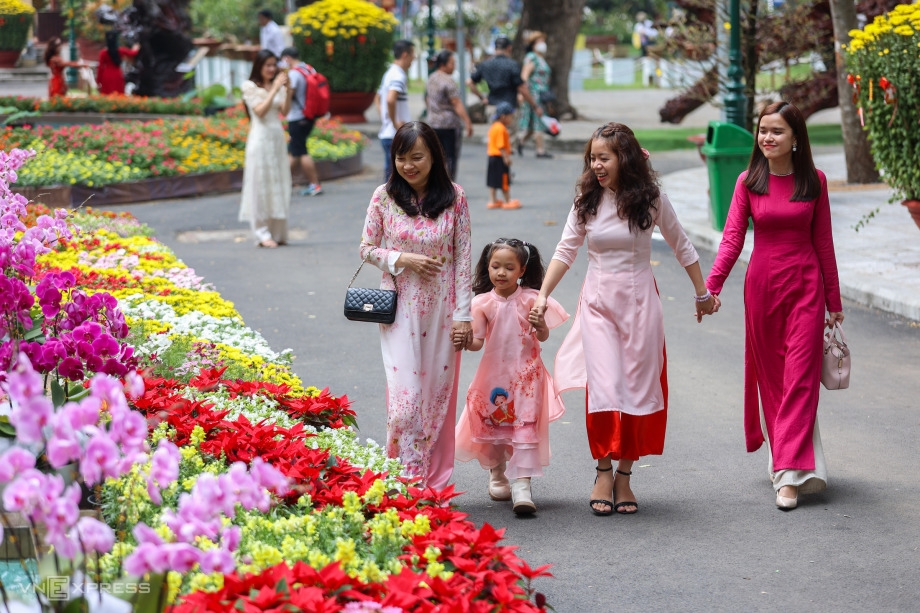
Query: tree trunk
pixel 751 63
pixel 860 165
pixel 559 20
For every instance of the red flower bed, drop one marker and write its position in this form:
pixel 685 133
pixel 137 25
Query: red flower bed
pixel 489 578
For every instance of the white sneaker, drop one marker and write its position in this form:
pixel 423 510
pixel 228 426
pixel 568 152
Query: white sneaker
pixel 520 495
pixel 499 488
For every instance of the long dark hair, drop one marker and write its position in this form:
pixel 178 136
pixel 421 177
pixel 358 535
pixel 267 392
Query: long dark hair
pixel 111 45
pixel 440 193
pixel 256 74
pixel 807 183
pixel 527 254
pixel 637 184
pixel 52 49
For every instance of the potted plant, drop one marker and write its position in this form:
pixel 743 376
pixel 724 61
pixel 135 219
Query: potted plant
pixel 15 21
pixel 445 20
pixel 348 41
pixel 91 33
pixel 882 59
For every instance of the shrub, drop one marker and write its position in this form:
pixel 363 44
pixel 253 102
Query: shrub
pixel 15 20
pixel 349 41
pixel 882 60
pixel 231 21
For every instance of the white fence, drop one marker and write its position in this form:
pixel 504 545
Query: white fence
pixel 218 69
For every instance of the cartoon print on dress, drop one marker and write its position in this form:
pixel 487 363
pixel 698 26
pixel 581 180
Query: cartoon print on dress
pixel 504 407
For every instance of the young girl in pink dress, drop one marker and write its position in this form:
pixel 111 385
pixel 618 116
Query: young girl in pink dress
pixel 505 423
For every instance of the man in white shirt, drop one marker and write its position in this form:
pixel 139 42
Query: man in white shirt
pixel 393 99
pixel 270 35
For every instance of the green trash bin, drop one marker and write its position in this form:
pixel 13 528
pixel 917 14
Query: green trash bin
pixel 728 151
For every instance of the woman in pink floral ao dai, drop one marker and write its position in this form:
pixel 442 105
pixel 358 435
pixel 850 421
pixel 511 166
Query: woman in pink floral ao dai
pixel 417 231
pixel 505 423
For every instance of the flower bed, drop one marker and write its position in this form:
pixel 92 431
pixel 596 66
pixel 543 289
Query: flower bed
pixel 225 482
pixel 110 153
pixel 114 103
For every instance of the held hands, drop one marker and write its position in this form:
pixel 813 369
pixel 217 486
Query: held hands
pixel 538 309
pixel 280 80
pixel 538 321
pixel 834 318
pixel 461 334
pixel 422 265
pixel 707 307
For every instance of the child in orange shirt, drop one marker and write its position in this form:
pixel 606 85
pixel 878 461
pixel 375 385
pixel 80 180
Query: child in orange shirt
pixel 499 151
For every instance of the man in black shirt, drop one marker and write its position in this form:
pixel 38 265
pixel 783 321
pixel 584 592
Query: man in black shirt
pixel 503 76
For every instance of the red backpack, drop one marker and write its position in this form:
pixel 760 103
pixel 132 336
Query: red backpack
pixel 316 102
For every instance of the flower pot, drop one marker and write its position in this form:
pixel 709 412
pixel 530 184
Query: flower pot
pixel 349 107
pixel 89 49
pixel 913 206
pixel 9 58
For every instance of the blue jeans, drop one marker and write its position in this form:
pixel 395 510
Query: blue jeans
pixel 387 168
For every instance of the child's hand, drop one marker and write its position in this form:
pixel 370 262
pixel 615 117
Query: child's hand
pixel 458 338
pixel 536 318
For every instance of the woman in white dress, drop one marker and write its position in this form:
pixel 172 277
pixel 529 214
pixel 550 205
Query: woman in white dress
pixel 266 199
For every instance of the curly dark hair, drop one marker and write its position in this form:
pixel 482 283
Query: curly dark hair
pixel 528 255
pixel 637 188
pixel 441 192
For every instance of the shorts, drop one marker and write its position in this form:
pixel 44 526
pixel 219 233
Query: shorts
pixel 497 176
pixel 300 132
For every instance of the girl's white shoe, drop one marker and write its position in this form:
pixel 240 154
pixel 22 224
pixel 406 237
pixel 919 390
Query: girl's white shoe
pixel 499 488
pixel 786 504
pixel 520 496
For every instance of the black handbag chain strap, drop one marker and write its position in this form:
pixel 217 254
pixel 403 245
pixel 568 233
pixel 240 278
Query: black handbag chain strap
pixel 360 266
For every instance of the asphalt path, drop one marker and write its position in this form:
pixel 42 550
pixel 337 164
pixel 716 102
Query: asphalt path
pixel 707 536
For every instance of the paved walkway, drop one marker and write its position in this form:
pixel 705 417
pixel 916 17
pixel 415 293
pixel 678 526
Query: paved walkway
pixel 879 265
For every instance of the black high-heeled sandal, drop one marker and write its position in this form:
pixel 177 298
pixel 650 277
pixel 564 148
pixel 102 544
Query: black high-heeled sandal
pixel 609 503
pixel 625 503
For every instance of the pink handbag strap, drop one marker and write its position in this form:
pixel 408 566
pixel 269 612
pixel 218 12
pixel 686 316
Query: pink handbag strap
pixel 831 335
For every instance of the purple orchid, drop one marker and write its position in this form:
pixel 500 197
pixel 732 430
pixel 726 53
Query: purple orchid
pixel 14 461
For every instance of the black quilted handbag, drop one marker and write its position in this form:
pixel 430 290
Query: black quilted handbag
pixel 369 304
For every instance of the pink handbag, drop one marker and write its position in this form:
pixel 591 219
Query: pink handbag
pixel 835 363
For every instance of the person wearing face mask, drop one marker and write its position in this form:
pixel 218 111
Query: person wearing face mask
pixel 536 75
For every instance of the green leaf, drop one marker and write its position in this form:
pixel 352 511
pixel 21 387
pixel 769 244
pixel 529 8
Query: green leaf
pixel 6 428
pixel 146 596
pixel 77 392
pixel 77 605
pixel 34 334
pixel 58 397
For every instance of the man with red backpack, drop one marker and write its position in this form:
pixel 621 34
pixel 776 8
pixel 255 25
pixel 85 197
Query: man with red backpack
pixel 309 93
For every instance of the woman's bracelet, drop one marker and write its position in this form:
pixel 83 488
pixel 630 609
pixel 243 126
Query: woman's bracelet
pixel 704 297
